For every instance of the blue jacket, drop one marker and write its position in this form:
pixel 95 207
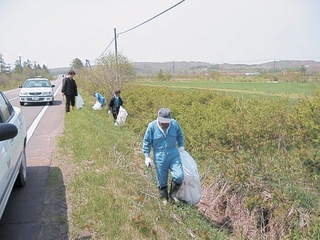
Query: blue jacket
pixel 165 152
pixel 160 141
pixel 100 99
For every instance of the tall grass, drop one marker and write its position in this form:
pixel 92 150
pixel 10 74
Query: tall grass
pixel 258 160
pixel 112 193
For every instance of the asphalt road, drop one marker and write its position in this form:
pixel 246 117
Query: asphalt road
pixel 22 217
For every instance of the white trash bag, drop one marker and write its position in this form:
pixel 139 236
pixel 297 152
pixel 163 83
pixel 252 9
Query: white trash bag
pixel 122 116
pixel 190 189
pixel 79 101
pixel 97 106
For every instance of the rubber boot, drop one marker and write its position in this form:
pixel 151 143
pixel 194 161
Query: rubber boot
pixel 173 191
pixel 164 194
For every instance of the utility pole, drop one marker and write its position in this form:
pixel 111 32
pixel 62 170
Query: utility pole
pixel 173 70
pixel 274 66
pixel 116 55
pixel 35 71
pixel 20 68
pixel 87 69
pixel 115 37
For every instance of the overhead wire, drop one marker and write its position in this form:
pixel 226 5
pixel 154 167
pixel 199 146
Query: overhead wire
pixel 105 49
pixel 150 19
pixel 116 37
pixel 130 29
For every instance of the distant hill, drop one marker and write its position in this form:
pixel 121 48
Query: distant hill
pixel 58 71
pixel 189 67
pixel 151 68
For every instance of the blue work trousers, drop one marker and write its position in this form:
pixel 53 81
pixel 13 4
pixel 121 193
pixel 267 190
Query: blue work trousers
pixel 165 161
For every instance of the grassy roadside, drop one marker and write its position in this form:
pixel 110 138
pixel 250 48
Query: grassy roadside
pixel 109 192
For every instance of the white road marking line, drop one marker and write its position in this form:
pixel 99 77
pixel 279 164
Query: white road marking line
pixel 35 123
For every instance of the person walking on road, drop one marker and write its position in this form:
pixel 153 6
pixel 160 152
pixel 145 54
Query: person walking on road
pixel 114 105
pixel 164 135
pixel 70 90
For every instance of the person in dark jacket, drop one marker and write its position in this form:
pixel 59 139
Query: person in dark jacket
pixel 70 90
pixel 114 105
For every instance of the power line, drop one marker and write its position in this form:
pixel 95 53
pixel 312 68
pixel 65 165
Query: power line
pixel 105 49
pixel 139 26
pixel 151 18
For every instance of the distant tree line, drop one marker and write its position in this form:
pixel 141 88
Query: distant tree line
pixel 11 77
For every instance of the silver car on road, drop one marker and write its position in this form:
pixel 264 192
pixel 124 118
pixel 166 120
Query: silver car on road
pixel 13 140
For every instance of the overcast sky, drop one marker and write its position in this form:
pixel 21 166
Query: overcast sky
pixel 54 32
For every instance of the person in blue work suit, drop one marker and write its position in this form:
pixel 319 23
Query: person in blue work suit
pixel 166 138
pixel 101 99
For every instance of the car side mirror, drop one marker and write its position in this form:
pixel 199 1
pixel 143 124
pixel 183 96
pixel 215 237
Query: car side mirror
pixel 52 85
pixel 20 86
pixel 7 131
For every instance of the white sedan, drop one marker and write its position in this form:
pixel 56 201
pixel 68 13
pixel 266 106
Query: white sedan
pixel 13 140
pixel 36 90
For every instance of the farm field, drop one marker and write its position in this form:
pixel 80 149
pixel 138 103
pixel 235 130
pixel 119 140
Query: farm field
pixel 291 90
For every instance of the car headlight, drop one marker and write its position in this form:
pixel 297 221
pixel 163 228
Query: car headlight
pixel 47 93
pixel 24 93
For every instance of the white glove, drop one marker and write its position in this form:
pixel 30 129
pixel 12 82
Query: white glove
pixel 109 112
pixel 148 161
pixel 181 149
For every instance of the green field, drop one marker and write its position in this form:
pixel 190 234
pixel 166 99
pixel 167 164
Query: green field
pixel 291 90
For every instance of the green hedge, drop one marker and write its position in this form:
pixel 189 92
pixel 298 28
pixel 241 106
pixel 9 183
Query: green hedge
pixel 255 145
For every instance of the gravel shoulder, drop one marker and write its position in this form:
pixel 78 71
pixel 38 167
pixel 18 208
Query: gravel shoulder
pixel 55 222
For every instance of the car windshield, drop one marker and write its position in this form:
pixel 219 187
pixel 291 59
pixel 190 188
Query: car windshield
pixel 37 83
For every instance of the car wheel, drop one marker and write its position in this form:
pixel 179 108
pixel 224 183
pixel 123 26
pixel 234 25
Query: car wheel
pixel 22 176
pixel 51 103
pixel 21 103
